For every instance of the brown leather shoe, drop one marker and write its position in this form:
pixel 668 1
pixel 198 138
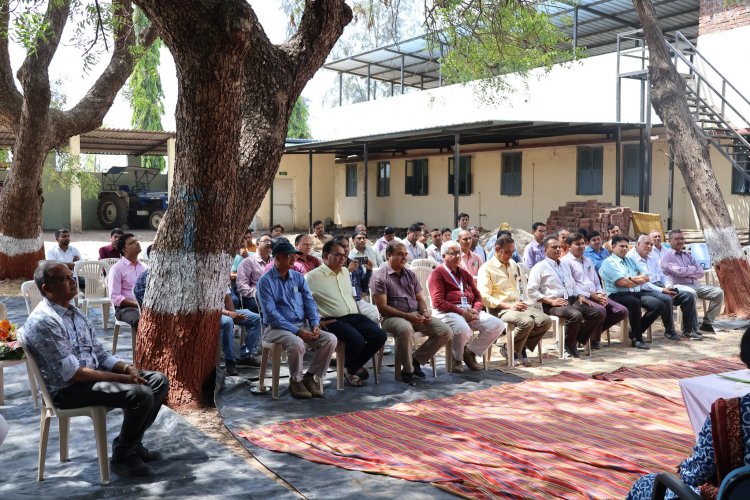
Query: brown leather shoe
pixel 298 390
pixel 458 367
pixel 471 360
pixel 312 385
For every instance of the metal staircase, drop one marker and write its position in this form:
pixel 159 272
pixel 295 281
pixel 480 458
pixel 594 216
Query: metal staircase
pixel 717 106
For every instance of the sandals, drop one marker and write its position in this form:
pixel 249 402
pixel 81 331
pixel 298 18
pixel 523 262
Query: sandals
pixel 353 379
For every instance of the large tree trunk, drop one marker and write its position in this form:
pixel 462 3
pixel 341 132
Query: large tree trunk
pixel 236 91
pixel 38 128
pixel 691 155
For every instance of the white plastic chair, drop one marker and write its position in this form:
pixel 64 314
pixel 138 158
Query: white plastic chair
pixel 430 263
pixel 31 295
pixel 98 414
pixel 116 333
pixel 96 293
pixel 109 262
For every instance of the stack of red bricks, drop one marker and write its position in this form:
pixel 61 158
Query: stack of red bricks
pixel 591 215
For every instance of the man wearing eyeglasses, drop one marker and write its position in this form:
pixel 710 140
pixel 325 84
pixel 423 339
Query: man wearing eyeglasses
pixel 333 292
pixel 497 283
pixel 79 372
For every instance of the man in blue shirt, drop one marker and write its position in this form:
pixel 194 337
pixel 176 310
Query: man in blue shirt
pixel 78 371
pixel 595 251
pixel 291 318
pixel 623 278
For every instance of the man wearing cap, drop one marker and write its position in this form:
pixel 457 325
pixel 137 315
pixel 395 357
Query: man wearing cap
pixel 291 318
pixel 389 234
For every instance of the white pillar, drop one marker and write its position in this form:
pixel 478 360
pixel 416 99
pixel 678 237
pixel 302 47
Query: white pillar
pixel 170 165
pixel 76 218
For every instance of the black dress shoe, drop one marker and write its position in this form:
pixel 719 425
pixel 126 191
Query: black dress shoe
pixel 639 344
pixel 132 466
pixel 672 336
pixel 596 345
pixel 148 455
pixel 417 369
pixel 230 367
pixel 248 361
pixel 707 327
pixel 572 352
pixel 407 377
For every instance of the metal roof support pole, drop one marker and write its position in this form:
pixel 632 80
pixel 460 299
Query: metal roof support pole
pixel 76 213
pixel 456 156
pixel 670 192
pixel 402 73
pixel 575 28
pixel 368 82
pixel 341 88
pixel 309 187
pixel 392 89
pixel 364 156
pixel 618 163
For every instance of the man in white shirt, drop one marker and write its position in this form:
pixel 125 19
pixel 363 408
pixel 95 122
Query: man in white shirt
pixel 552 285
pixel 658 249
pixel 433 251
pixel 650 264
pixel 64 252
pixel 475 246
pixel 463 225
pixel 361 252
pixel 588 285
pixel 414 249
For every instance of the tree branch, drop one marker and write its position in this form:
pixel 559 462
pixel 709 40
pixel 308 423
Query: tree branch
pixel 90 111
pixel 11 99
pixel 39 58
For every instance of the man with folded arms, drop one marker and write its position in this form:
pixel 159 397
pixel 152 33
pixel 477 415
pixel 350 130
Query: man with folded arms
pixel 683 271
pixel 623 280
pixel 497 283
pixel 78 371
pixel 457 302
pixel 589 286
pixel 398 295
pixel 643 254
pixel 552 285
pixel 332 290
pixel 291 317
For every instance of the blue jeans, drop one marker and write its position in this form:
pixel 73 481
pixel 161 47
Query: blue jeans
pixel 251 324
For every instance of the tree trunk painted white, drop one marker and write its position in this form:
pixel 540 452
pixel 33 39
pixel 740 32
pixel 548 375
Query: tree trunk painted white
pixel 691 155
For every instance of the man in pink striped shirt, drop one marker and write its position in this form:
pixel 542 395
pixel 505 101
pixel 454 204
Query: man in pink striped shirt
pixel 122 277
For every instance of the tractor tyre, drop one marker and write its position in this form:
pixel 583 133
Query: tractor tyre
pixel 111 211
pixel 154 220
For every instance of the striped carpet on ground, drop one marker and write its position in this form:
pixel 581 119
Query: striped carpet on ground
pixel 567 436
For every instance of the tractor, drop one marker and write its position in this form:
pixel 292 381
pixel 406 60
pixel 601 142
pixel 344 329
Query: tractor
pixel 134 206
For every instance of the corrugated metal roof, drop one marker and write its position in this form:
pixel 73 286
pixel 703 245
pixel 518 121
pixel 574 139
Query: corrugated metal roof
pixel 113 141
pixel 599 21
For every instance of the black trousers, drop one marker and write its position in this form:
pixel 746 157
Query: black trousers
pixel 362 338
pixel 140 404
pixel 581 320
pixel 635 301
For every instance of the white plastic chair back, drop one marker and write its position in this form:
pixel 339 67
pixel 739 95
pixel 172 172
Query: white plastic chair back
pixel 93 272
pixel 109 262
pixel 423 273
pixel 431 263
pixel 31 295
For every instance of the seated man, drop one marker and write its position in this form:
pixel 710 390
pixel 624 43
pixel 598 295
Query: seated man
pixel 398 295
pixel 594 252
pixel 457 302
pixel 66 253
pixel 359 276
pixel 469 260
pixel 360 228
pixel 319 236
pixel 497 283
pixel 414 248
pixel 305 262
pixel 79 372
pixel 463 225
pixel 361 252
pixel 475 246
pixel 623 280
pixel 659 249
pixel 331 288
pixel 110 251
pixel 534 251
pixel 683 271
pixel 433 251
pixel 562 235
pixel 292 320
pixel 122 278
pixel 276 231
pixel 491 252
pixel 552 285
pixel 139 289
pixel 389 234
pixel 242 317
pixel 612 231
pixel 589 286
pixel 247 247
pixel 642 253
pixel 250 271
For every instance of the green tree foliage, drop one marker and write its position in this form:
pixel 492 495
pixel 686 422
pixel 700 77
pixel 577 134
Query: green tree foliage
pixel 145 92
pixel 298 127
pixel 489 39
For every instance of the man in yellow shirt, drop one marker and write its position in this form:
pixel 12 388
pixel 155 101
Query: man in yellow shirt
pixel 332 290
pixel 497 282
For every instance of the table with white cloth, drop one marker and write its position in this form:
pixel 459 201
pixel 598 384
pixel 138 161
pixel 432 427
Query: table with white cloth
pixel 699 393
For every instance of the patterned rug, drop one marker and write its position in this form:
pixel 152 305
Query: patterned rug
pixel 566 436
